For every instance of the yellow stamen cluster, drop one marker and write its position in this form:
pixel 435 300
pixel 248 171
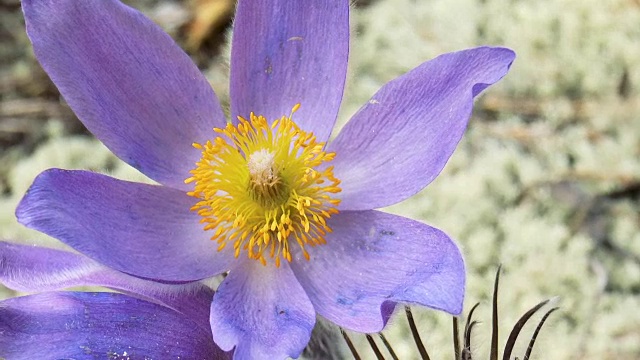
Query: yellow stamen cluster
pixel 259 187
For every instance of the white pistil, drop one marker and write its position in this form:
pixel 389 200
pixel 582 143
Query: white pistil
pixel 261 167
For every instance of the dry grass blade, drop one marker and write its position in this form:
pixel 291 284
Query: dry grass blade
pixel 469 317
pixel 352 348
pixel 535 333
pixel 513 336
pixel 456 339
pixel 493 355
pixel 208 15
pixel 374 347
pixel 388 346
pixel 416 335
pixel 466 350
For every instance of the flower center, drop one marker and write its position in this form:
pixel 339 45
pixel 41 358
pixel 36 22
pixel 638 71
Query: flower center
pixel 267 188
pixel 259 186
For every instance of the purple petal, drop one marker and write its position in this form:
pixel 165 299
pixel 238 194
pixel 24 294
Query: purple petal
pixel 65 325
pixel 401 139
pixel 144 230
pixel 127 81
pixel 37 269
pixel 288 52
pixel 262 311
pixel 373 260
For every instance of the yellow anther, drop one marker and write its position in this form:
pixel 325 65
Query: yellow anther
pixel 258 185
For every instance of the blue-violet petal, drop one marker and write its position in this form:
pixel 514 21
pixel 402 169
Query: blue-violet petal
pixel 143 230
pixel 79 325
pixel 373 260
pixel 287 52
pixel 127 81
pixel 262 311
pixel 398 142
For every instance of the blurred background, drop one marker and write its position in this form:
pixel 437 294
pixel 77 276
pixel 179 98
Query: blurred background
pixel 546 180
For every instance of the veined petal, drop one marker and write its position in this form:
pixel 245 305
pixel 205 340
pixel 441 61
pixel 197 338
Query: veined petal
pixel 288 52
pixel 262 311
pixel 143 230
pixel 65 325
pixel 373 260
pixel 127 81
pixel 36 269
pixel 401 139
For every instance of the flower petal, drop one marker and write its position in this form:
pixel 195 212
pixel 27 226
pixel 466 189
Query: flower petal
pixel 373 260
pixel 143 230
pixel 262 311
pixel 401 139
pixel 64 325
pixel 288 52
pixel 127 81
pixel 36 269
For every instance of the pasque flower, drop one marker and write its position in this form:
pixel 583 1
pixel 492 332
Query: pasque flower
pixel 164 321
pixel 266 197
pixel 83 325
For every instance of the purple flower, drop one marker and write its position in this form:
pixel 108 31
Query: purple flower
pixel 291 216
pixel 65 325
pixel 165 321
